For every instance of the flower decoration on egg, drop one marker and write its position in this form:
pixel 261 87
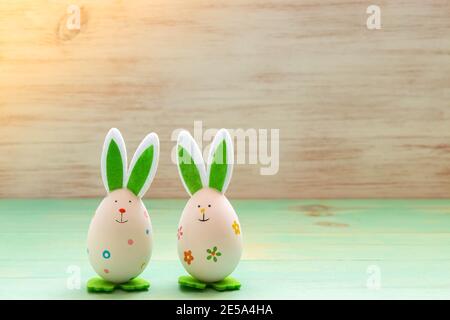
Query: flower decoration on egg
pixel 180 232
pixel 236 228
pixel 213 254
pixel 188 257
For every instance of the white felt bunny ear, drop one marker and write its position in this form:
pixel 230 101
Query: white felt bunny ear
pixel 143 165
pixel 220 161
pixel 191 165
pixel 114 161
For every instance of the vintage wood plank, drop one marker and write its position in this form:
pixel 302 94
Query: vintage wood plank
pixel 361 113
pixel 310 248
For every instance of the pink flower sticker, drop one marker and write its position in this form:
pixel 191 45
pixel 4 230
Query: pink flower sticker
pixel 180 232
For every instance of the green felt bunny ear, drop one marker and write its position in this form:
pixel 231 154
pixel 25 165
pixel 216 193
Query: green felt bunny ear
pixel 191 165
pixel 143 165
pixel 114 161
pixel 220 161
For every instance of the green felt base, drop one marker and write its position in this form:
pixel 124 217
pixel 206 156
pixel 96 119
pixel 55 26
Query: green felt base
pixel 99 285
pixel 226 284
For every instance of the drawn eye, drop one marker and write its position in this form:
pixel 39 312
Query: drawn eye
pixel 115 201
pixel 198 206
pixel 129 201
pixel 209 206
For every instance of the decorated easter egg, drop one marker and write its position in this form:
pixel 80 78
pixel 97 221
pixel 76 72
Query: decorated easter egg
pixel 120 235
pixel 209 232
pixel 209 237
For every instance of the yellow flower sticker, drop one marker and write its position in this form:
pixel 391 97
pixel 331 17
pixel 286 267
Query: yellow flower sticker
pixel 236 228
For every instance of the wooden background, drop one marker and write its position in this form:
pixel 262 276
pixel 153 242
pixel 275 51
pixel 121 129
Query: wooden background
pixel 361 113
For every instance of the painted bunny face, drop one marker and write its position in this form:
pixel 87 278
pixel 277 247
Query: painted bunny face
pixel 209 234
pixel 120 233
pixel 205 207
pixel 122 208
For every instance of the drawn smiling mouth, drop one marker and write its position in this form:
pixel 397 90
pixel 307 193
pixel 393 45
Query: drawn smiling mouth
pixel 203 220
pixel 121 220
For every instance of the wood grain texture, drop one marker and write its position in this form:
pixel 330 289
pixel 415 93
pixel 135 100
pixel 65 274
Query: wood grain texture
pixel 361 113
pixel 327 249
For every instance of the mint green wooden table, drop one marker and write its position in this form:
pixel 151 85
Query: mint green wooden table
pixel 293 250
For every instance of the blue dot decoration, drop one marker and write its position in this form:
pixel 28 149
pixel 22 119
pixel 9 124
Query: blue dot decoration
pixel 106 254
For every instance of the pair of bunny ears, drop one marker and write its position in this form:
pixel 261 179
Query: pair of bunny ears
pixel 191 165
pixel 142 168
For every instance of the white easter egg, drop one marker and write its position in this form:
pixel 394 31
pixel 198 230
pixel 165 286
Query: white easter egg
pixel 120 237
pixel 209 236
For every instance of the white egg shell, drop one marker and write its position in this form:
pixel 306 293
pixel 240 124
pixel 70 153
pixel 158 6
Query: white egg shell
pixel 120 245
pixel 209 250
